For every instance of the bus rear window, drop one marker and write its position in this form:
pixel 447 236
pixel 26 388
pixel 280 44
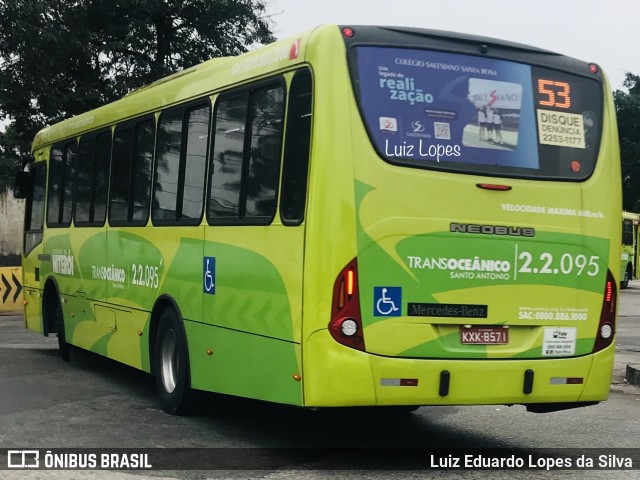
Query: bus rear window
pixel 478 115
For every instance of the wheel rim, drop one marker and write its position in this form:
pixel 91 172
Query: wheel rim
pixel 169 359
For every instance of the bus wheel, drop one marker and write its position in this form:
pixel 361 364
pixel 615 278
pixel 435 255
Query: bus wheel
pixel 55 321
pixel 627 276
pixel 171 365
pixel 62 340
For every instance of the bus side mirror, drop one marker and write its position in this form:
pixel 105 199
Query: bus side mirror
pixel 21 185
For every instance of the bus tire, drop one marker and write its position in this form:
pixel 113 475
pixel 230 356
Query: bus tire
pixel 627 276
pixel 171 365
pixel 65 348
pixel 54 317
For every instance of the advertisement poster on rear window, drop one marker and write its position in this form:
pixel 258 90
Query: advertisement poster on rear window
pixel 431 107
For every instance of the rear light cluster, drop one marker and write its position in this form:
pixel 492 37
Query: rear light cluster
pixel 346 324
pixel 607 325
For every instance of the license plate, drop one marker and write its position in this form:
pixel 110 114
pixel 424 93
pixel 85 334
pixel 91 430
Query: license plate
pixel 484 335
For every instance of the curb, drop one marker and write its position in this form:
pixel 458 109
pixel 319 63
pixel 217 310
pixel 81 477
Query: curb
pixel 633 375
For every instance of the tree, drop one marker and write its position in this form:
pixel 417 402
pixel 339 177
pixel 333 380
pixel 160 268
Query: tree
pixel 628 113
pixel 11 153
pixel 61 58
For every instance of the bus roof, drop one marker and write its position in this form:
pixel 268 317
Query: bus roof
pixel 215 74
pixel 182 86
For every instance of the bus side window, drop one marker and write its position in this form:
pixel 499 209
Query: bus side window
pixel 296 150
pixel 100 186
pixel 55 179
pixel 92 173
pixel 195 163
pixel 120 175
pixel 227 158
pixel 60 194
pixel 627 232
pixel 167 167
pixel 263 169
pixel 131 174
pixel 34 217
pixel 246 156
pixel 141 173
pixel 180 168
pixel 84 175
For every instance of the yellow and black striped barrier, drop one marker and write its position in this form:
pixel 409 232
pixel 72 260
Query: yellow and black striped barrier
pixel 10 289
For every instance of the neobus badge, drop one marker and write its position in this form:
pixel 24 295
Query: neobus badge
pixel 492 230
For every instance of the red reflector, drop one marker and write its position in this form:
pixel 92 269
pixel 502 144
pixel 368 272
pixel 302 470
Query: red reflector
pixel 350 282
pixel 348 32
pixel 408 382
pixel 575 381
pixel 295 49
pixel 575 166
pixel 593 68
pixel 609 293
pixel 491 186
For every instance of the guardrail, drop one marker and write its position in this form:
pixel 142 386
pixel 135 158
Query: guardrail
pixel 11 299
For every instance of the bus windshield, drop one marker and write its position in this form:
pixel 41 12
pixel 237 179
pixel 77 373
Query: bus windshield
pixel 440 110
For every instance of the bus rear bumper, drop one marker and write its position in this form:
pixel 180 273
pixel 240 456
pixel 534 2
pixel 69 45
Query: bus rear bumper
pixel 340 376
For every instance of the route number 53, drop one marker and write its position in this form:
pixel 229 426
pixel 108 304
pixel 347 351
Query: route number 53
pixel 556 94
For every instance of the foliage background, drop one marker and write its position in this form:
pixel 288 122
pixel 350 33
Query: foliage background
pixel 59 58
pixel 628 113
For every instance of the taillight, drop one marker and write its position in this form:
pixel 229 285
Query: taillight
pixel 348 32
pixel 346 325
pixel 607 326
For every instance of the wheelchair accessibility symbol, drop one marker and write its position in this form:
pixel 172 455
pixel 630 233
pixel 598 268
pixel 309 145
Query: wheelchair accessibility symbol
pixel 209 275
pixel 387 301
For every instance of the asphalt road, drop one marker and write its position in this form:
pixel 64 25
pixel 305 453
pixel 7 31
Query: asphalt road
pixel 96 403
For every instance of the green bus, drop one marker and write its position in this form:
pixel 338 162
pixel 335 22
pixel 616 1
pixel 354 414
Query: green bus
pixel 629 255
pixel 354 216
